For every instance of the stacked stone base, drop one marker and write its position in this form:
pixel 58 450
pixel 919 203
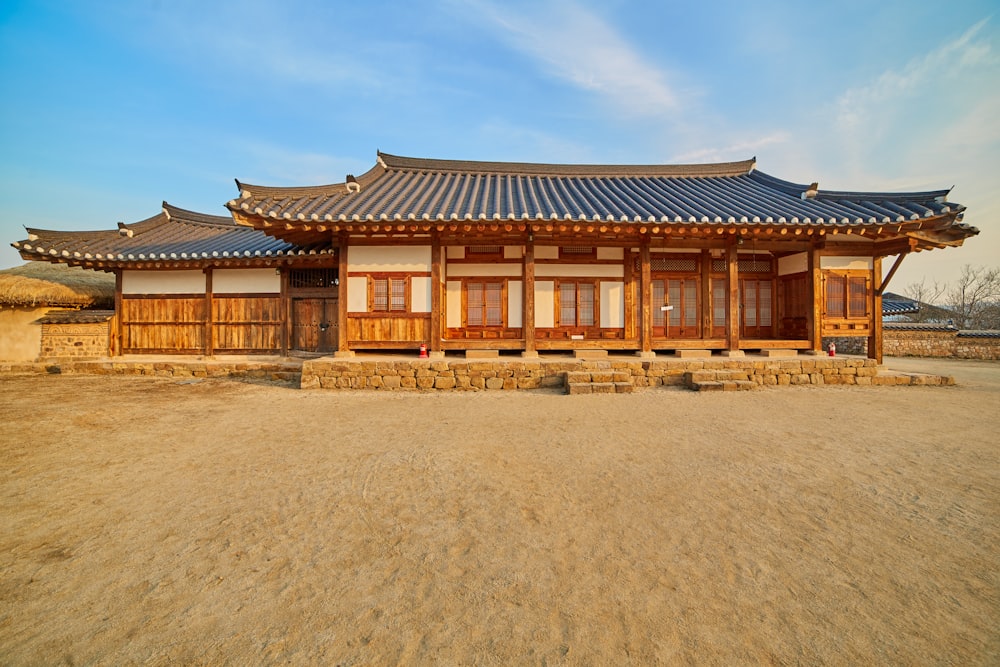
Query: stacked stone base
pixel 583 376
pixel 272 371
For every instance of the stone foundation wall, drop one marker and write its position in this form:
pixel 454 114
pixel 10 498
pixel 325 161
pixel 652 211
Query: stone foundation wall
pixel 511 375
pixel 75 341
pixel 939 344
pixel 270 371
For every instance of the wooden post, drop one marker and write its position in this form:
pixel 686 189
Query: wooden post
pixel 286 315
pixel 437 302
pixel 118 324
pixel 645 299
pixel 342 324
pixel 706 294
pixel 875 339
pixel 815 315
pixel 209 331
pixel 528 299
pixel 733 282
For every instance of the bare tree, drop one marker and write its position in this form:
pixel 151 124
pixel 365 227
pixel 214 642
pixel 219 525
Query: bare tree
pixel 974 298
pixel 925 295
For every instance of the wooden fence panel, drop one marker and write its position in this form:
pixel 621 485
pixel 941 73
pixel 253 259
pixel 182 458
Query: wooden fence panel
pixel 246 323
pixel 165 324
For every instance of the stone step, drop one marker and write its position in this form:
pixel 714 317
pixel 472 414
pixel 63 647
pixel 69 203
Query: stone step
pixel 719 375
pixel 728 385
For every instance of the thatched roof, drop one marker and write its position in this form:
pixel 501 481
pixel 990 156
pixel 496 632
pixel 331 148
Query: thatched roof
pixel 45 284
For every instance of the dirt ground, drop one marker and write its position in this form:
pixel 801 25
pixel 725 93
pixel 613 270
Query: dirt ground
pixel 218 522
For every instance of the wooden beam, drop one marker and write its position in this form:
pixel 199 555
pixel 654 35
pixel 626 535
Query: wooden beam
pixel 815 315
pixel 883 283
pixel 645 300
pixel 733 283
pixel 118 324
pixel 437 302
pixel 209 332
pixel 706 294
pixel 342 251
pixel 875 339
pixel 528 298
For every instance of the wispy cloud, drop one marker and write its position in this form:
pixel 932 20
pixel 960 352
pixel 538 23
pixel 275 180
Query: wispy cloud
pixel 862 106
pixel 739 150
pixel 575 45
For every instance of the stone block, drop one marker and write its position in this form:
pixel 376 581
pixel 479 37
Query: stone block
pixel 482 354
pixel 590 354
pixel 444 383
pixel 494 383
pixel 624 387
pixel 574 389
pixel 603 387
pixel 689 354
pixel 771 354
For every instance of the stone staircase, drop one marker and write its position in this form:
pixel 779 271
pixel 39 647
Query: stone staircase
pixel 603 381
pixel 719 380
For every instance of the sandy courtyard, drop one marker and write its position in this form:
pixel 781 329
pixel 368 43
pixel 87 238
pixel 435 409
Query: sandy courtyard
pixel 155 522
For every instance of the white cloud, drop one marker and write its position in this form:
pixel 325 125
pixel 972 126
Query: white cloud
pixel 577 46
pixel 929 75
pixel 739 150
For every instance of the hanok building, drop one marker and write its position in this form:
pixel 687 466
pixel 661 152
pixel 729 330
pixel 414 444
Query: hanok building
pixel 462 256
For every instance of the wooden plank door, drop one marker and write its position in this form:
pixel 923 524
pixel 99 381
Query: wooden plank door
pixel 314 324
pixel 756 305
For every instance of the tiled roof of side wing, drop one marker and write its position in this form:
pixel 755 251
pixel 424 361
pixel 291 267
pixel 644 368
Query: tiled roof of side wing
pixel 399 188
pixel 173 234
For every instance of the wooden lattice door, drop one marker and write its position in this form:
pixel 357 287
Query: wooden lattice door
pixel 314 324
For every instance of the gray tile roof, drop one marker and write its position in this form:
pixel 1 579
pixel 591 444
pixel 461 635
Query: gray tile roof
pixel 400 188
pixel 894 304
pixel 172 235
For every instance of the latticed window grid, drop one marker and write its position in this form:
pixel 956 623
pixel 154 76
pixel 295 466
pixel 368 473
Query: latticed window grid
pixel 484 304
pixel 576 304
pixel 857 297
pixel 836 287
pixel 578 250
pixel 312 278
pixel 756 264
pixel 389 294
pixel 670 263
pixel 483 250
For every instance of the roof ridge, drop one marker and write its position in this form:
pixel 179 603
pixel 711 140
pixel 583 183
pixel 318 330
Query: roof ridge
pixel 186 215
pixel 401 163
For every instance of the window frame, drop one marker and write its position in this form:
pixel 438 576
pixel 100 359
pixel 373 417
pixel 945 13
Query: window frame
pixel 466 282
pixel 391 280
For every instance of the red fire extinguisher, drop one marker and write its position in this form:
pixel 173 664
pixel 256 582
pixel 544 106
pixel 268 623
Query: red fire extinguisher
pixel 423 350
pixel 832 349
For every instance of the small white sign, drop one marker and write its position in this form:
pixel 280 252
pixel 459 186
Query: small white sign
pixel 665 308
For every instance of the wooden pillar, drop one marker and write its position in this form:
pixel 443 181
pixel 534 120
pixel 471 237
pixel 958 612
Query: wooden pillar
pixel 815 315
pixel 209 331
pixel 733 284
pixel 645 299
pixel 706 294
pixel 286 314
pixel 528 299
pixel 875 296
pixel 116 344
pixel 342 324
pixel 437 300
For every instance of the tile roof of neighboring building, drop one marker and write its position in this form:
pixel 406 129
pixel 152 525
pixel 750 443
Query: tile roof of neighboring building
pixel 401 188
pixel 76 317
pixel 172 235
pixel 979 333
pixel 918 326
pixel 894 304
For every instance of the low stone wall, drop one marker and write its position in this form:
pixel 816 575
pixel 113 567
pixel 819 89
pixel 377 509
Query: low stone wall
pixel 948 343
pixel 86 340
pixel 273 371
pixel 431 375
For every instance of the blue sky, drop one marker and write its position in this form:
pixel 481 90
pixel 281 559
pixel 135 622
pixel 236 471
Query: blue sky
pixel 112 107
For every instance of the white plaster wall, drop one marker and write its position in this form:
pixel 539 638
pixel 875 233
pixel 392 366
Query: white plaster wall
pixel 612 304
pixel 357 294
pixel 515 303
pixel 546 252
pixel 246 281
pixel 389 258
pixel 845 262
pixel 453 299
pixel 610 253
pixel 475 270
pixel 163 282
pixel 545 303
pixel 797 263
pixel 513 252
pixel 580 270
pixel 455 252
pixel 420 294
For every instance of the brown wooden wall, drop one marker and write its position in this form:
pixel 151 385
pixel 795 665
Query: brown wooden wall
pixel 179 324
pixel 388 331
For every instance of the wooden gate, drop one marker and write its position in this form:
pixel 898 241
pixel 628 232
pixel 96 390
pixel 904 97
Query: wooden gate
pixel 314 324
